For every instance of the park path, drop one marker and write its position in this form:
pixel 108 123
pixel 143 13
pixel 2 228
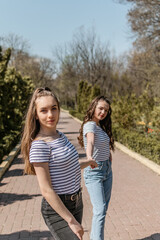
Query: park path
pixel 134 210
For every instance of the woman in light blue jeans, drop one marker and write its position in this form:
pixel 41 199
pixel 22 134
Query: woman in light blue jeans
pixel 96 137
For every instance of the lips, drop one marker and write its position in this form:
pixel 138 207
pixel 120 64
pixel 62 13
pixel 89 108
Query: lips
pixel 51 121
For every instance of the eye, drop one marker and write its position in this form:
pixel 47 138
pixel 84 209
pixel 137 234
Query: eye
pixel 54 108
pixel 43 110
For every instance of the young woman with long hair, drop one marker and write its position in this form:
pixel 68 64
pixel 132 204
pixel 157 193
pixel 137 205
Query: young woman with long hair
pixel 96 137
pixel 54 160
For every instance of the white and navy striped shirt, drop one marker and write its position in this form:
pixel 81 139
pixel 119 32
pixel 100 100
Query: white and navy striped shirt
pixel 62 158
pixel 101 151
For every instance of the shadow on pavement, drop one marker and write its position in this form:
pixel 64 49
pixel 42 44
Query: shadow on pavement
pixel 66 117
pixel 18 159
pixel 82 155
pixel 155 236
pixel 62 122
pixel 2 184
pixel 9 198
pixel 14 172
pixel 70 132
pixel 26 235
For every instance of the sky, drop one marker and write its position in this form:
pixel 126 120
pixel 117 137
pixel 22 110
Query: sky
pixel 48 23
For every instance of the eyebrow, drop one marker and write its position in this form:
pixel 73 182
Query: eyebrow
pixel 104 107
pixel 52 106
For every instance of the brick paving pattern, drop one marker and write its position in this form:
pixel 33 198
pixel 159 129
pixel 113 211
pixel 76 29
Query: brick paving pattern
pixel 134 210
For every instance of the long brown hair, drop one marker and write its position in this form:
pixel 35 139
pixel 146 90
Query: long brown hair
pixel 105 124
pixel 32 126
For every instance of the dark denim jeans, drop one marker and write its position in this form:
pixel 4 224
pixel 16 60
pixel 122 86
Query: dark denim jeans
pixel 57 225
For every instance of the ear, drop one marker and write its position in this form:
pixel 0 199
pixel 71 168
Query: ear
pixel 36 117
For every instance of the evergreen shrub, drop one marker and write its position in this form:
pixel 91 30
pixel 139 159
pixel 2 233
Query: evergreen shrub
pixel 14 95
pixel 146 145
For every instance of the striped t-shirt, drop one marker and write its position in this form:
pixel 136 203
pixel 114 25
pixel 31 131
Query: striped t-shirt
pixel 101 151
pixel 62 158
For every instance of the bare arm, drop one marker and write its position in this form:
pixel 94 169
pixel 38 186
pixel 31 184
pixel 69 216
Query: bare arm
pixel 89 150
pixel 90 145
pixel 85 163
pixel 43 176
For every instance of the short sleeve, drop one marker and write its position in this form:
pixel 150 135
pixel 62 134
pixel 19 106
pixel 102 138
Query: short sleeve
pixel 89 127
pixel 39 152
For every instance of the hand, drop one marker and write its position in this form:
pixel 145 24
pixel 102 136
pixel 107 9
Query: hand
pixel 76 228
pixel 92 163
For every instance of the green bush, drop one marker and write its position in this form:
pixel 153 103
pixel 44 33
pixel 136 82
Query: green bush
pixel 86 93
pixel 8 142
pixel 14 95
pixel 146 145
pixel 128 114
pixel 76 114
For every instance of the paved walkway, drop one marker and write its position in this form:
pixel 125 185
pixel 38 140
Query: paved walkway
pixel 134 210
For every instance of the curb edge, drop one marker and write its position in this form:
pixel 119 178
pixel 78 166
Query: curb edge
pixel 145 161
pixel 6 162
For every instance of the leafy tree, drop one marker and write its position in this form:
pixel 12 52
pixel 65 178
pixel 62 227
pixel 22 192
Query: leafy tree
pixel 41 70
pixel 144 20
pixel 85 58
pixel 66 83
pixel 128 110
pixel 86 93
pixel 125 111
pixel 156 115
pixel 143 70
pixel 146 106
pixel 15 42
pixel 14 95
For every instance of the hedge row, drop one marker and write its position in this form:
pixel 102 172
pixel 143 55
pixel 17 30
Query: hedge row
pixel 76 114
pixel 8 143
pixel 146 145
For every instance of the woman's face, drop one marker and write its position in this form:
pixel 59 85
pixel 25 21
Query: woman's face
pixel 47 113
pixel 101 111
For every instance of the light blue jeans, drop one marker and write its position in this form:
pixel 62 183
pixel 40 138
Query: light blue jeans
pixel 99 185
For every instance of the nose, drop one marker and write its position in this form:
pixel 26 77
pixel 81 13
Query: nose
pixel 103 111
pixel 50 114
